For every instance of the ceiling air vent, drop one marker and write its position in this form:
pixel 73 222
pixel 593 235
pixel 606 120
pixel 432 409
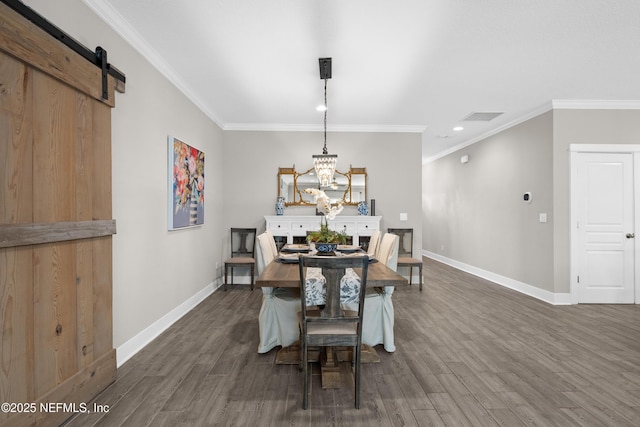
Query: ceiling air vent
pixel 481 117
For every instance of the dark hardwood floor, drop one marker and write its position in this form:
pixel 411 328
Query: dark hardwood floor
pixel 469 353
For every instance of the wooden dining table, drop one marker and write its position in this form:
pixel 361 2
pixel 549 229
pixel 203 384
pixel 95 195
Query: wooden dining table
pixel 287 275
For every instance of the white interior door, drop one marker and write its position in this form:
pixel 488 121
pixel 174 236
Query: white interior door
pixel 604 200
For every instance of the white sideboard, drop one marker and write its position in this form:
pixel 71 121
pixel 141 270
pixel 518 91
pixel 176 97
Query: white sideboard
pixel 297 226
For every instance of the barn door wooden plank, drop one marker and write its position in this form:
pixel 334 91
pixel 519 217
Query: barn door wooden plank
pixel 54 129
pixel 102 247
pixel 102 292
pixel 16 314
pixel 15 141
pixel 54 124
pixel 84 176
pixel 101 167
pixel 16 289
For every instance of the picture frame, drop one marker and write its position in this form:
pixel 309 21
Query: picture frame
pixel 185 184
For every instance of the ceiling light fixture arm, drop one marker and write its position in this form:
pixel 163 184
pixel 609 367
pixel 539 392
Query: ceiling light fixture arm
pixel 324 150
pixel 325 163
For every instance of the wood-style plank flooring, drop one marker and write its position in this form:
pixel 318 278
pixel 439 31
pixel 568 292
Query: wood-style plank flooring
pixel 469 353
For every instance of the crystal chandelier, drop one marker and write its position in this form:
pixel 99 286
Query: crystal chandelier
pixel 325 164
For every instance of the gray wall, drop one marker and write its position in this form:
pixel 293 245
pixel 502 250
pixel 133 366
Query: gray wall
pixel 393 162
pixel 474 212
pixel 581 127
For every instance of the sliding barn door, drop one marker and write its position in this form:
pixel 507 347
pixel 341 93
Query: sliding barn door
pixel 55 225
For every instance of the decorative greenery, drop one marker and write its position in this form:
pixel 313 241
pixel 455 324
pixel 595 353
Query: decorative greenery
pixel 325 235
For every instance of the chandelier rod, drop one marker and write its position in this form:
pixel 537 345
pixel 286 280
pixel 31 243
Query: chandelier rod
pixel 324 150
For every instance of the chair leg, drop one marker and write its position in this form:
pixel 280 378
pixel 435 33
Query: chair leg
pixel 357 375
pixel 252 279
pixel 305 373
pixel 421 279
pixel 226 269
pixel 410 275
pixel 300 358
pixel 353 358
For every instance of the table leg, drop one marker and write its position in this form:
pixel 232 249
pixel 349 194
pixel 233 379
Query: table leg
pixel 330 369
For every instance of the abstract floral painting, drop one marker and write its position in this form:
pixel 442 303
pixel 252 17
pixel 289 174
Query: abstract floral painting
pixel 186 185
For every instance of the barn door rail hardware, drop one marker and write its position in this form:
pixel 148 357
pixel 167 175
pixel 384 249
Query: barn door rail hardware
pixel 98 58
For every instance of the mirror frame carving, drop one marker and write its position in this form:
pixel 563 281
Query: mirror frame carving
pixel 298 199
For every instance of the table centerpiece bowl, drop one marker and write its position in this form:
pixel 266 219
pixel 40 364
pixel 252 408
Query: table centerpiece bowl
pixel 326 240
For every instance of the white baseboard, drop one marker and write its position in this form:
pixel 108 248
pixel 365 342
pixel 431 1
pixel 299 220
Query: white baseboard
pixel 533 291
pixel 137 343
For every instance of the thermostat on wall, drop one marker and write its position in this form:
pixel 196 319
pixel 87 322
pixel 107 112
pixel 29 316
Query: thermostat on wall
pixel 527 197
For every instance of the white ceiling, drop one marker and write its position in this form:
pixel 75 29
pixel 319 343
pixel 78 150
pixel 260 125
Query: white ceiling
pixel 403 65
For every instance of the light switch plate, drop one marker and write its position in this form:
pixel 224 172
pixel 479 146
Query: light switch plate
pixel 403 217
pixel 543 217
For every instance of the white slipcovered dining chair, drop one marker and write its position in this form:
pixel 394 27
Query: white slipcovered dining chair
pixel 378 305
pixel 278 318
pixel 374 240
pixel 272 242
pixel 388 251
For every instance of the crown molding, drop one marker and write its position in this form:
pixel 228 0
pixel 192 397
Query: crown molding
pixel 595 104
pixel 547 106
pixel 274 127
pixel 555 104
pixel 114 20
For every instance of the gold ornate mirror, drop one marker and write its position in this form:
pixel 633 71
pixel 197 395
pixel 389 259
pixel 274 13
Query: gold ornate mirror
pixel 350 187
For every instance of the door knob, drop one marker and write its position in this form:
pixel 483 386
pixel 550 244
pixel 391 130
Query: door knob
pixel 631 235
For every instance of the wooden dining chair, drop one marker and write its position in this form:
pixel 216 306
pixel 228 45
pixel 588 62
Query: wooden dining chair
pixel 331 326
pixel 405 252
pixel 243 243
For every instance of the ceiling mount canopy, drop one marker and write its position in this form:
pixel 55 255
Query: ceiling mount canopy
pixel 325 68
pixel 325 164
